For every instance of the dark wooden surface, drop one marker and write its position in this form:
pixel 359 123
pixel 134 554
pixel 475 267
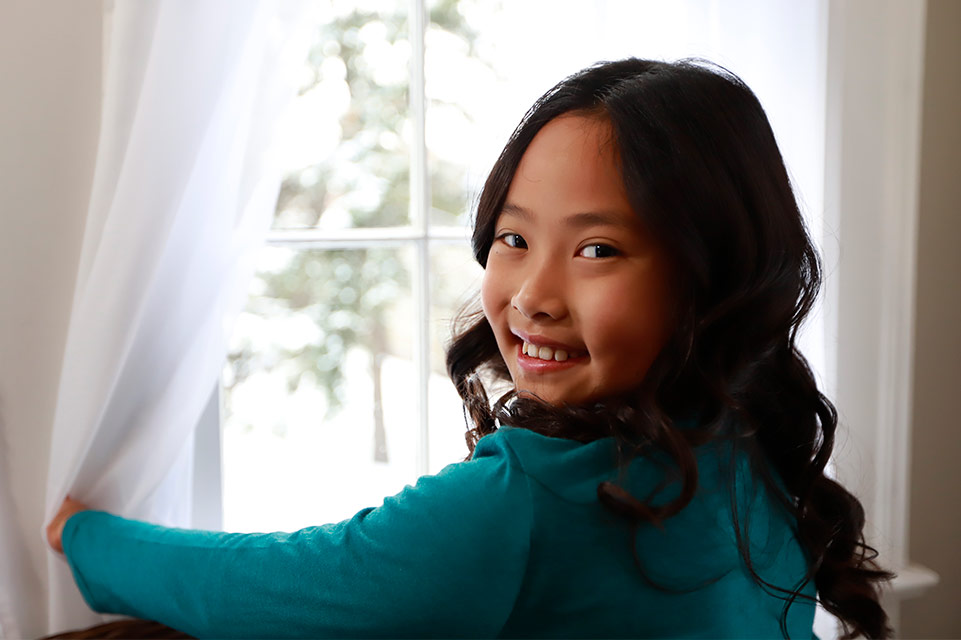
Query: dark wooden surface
pixel 123 629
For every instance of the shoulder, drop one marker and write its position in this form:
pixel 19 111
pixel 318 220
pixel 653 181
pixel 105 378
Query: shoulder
pixel 569 469
pixel 490 486
pixel 573 470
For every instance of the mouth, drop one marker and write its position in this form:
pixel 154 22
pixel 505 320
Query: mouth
pixel 540 355
pixel 548 353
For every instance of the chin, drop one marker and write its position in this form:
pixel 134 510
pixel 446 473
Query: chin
pixel 555 398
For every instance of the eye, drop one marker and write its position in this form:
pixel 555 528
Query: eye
pixel 513 240
pixel 598 251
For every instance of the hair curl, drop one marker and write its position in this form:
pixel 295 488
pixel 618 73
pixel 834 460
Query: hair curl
pixel 702 169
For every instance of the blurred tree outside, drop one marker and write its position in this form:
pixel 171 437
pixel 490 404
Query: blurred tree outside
pixel 353 172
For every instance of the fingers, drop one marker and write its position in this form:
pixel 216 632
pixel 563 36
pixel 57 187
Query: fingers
pixel 55 528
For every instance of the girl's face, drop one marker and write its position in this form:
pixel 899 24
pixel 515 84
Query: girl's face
pixel 576 291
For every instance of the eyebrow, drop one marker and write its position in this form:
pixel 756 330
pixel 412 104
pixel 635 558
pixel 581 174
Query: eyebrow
pixel 581 219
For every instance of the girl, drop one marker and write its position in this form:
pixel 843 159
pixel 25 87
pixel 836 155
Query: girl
pixel 656 467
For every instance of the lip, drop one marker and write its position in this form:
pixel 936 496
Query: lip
pixel 530 364
pixel 541 341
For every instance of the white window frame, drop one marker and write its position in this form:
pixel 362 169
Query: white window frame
pixel 872 395
pixel 874 71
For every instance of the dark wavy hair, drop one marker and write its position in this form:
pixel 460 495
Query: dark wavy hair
pixel 702 169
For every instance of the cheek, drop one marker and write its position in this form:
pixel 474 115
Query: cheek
pixel 628 329
pixel 495 288
pixel 492 295
pixel 487 296
pixel 495 302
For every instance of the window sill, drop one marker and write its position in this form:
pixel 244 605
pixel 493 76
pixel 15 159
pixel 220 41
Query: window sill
pixel 912 581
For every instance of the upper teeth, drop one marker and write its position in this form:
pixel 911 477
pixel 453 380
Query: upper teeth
pixel 545 353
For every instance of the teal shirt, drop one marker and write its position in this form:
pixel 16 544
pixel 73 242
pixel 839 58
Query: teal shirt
pixel 512 543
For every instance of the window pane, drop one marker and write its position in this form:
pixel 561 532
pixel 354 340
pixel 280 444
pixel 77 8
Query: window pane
pixel 320 389
pixel 454 121
pixel 350 165
pixel 455 280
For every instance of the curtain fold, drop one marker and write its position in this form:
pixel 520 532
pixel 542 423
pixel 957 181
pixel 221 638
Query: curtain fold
pixel 184 189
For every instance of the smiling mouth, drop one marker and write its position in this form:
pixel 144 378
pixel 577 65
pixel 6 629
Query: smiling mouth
pixel 549 353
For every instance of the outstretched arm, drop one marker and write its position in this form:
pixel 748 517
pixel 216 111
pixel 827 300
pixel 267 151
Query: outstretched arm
pixel 443 558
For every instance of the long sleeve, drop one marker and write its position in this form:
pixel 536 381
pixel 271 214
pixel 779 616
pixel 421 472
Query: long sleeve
pixel 445 557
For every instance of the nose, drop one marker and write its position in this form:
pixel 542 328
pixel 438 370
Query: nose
pixel 541 294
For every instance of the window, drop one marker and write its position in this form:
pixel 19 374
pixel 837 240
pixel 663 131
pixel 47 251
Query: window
pixel 335 393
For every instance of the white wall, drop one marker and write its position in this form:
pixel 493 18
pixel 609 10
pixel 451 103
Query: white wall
pixel 935 513
pixel 50 67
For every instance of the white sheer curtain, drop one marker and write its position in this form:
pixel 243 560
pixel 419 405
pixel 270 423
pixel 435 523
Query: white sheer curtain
pixel 18 579
pixel 183 192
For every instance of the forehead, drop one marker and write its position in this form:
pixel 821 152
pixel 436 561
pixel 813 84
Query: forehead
pixel 570 165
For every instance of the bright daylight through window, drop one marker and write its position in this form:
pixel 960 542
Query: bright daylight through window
pixel 334 394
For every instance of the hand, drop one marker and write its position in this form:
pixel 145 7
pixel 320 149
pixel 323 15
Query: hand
pixel 55 528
